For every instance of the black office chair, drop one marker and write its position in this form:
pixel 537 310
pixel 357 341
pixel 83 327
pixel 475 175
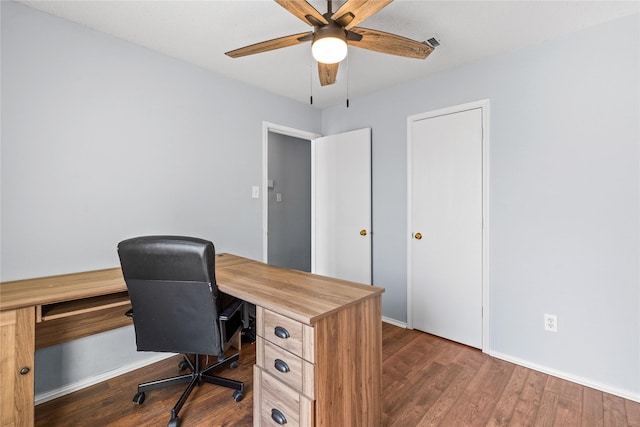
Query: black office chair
pixel 176 307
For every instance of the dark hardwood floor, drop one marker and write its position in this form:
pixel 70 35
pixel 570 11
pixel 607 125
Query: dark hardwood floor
pixel 427 381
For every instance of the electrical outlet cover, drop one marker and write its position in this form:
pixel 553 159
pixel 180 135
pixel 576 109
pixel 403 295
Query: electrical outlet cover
pixel 551 322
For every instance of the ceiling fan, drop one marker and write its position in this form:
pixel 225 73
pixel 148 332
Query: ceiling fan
pixel 332 32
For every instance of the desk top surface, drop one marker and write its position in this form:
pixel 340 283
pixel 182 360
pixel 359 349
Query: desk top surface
pixel 302 296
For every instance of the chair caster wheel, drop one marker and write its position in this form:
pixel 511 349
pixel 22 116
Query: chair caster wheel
pixel 174 422
pixel 183 365
pixel 138 399
pixel 234 364
pixel 238 395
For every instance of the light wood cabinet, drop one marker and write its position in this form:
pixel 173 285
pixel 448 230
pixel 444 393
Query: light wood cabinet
pixel 332 348
pixel 276 404
pixel 284 379
pixel 40 312
pixel 326 374
pixel 16 366
pixel 334 345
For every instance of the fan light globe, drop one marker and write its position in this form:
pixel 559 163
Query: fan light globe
pixel 329 50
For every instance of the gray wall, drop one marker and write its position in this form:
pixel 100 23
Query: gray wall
pixel 564 189
pixel 289 221
pixel 103 140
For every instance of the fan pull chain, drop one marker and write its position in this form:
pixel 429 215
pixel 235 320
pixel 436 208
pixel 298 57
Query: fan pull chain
pixel 347 78
pixel 311 81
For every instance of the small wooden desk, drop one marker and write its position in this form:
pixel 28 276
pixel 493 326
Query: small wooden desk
pixel 334 348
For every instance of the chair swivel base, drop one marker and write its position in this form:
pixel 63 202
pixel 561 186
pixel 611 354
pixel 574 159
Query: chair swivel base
pixel 196 377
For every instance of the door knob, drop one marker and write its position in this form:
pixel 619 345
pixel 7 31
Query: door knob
pixel 363 232
pixel 417 236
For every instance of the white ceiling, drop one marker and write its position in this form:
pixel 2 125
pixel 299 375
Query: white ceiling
pixel 200 32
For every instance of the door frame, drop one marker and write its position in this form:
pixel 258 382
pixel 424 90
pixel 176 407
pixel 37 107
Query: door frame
pixel 288 131
pixel 484 106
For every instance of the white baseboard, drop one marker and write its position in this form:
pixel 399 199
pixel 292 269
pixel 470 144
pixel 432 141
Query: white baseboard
pixel 626 394
pixel 394 322
pixel 86 382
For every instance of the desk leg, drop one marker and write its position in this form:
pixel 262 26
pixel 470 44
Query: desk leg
pixel 17 344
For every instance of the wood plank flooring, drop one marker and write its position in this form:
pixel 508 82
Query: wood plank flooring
pixel 427 381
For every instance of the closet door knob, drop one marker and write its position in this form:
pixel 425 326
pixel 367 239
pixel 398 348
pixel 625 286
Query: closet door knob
pixel 363 232
pixel 417 236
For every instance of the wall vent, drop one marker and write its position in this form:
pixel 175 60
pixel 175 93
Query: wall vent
pixel 434 42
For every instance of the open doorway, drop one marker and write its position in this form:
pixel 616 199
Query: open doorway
pixel 289 202
pixel 288 195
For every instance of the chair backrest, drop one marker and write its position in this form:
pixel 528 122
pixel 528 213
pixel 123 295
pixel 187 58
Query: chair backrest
pixel 173 291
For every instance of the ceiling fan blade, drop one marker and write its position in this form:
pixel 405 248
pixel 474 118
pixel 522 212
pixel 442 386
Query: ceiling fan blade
pixel 327 73
pixel 270 45
pixel 304 11
pixel 392 44
pixel 353 12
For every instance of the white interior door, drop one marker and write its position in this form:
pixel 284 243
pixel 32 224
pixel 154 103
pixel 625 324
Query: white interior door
pixel 445 220
pixel 341 241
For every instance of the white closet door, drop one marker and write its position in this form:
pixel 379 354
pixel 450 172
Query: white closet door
pixel 446 226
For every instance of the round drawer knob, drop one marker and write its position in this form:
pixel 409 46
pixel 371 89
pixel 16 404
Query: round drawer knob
pixel 24 371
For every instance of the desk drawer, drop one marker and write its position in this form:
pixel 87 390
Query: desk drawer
pixel 277 404
pixel 287 367
pixel 287 333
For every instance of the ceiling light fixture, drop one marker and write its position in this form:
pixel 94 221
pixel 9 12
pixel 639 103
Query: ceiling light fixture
pixel 329 44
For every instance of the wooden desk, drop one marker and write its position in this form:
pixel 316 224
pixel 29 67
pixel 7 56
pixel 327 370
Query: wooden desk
pixel 334 349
